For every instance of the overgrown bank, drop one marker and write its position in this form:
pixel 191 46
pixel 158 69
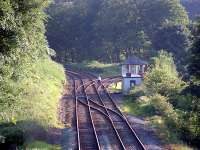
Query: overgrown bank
pixel 30 82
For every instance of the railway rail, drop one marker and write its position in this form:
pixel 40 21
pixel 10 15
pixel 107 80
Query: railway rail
pixel 99 122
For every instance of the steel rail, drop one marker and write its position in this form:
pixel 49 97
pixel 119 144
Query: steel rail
pixel 134 133
pixel 111 81
pixel 101 101
pixel 103 106
pixel 115 130
pixel 89 108
pixel 76 113
pixel 107 78
pixel 126 121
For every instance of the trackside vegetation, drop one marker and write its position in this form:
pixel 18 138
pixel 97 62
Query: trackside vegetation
pixel 164 103
pixel 39 145
pixel 30 82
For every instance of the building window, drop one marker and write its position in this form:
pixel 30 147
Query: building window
pixel 127 68
pixel 135 69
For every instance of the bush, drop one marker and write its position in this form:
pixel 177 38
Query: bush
pixel 163 107
pixel 12 135
pixel 166 110
pixel 162 76
pixel 138 91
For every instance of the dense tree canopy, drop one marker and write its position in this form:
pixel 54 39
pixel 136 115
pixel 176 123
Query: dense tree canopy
pixel 104 27
pixel 194 66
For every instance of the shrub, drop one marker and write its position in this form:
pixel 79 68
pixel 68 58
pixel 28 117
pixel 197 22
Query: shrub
pixel 162 106
pixel 162 76
pixel 12 135
pixel 138 91
pixel 169 115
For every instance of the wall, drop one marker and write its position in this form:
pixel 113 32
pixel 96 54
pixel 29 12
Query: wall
pixel 126 84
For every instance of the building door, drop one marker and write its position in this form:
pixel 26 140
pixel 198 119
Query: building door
pixel 132 83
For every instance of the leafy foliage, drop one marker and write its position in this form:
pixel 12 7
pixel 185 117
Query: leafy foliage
pixel 176 41
pixel 12 135
pixel 109 30
pixel 194 66
pixel 25 76
pixel 167 102
pixel 162 76
pixel 193 127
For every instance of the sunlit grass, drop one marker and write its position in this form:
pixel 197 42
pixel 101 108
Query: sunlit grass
pixel 41 92
pixel 98 68
pixel 180 147
pixel 43 95
pixel 39 145
pixel 115 87
pixel 134 107
pixel 140 106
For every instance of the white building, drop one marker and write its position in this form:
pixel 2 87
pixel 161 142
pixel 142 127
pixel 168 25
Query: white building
pixel 133 70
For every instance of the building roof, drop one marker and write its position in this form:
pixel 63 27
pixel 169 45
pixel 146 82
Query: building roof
pixel 133 60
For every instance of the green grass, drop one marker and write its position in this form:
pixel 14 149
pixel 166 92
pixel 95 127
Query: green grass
pixel 115 87
pixel 35 108
pixel 41 99
pixel 96 67
pixel 39 145
pixel 140 106
pixel 39 96
pixel 180 147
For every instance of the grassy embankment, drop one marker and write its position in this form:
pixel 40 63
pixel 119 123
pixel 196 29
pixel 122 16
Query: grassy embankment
pixel 139 105
pixel 97 68
pixel 39 145
pixel 37 104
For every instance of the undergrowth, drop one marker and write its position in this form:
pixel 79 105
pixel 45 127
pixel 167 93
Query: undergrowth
pixel 142 106
pixel 36 106
pixel 39 145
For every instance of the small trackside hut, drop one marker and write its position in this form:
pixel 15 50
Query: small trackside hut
pixel 133 69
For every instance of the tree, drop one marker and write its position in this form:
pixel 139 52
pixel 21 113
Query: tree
pixel 194 65
pixel 70 28
pixel 22 42
pixel 162 77
pixel 193 125
pixel 174 39
pixel 108 29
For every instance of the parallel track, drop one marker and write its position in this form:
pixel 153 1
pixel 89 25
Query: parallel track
pixel 86 133
pixel 103 117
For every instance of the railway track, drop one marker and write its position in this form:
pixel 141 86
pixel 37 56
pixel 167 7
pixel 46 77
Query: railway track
pixel 99 122
pixel 86 133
